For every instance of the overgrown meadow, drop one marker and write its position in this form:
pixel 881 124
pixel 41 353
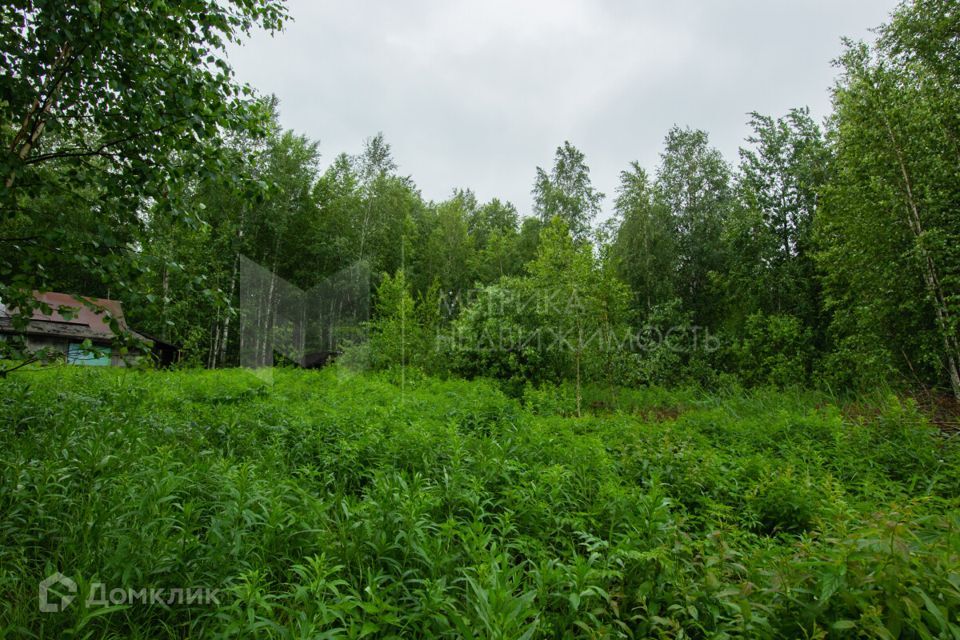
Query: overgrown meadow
pixel 334 505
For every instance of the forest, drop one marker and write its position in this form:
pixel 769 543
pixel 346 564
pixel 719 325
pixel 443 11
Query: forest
pixel 719 402
pixel 826 257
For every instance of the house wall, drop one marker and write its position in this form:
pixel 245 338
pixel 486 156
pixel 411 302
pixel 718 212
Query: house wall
pixel 62 346
pixel 35 343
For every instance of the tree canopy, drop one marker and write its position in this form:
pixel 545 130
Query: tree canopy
pixel 136 167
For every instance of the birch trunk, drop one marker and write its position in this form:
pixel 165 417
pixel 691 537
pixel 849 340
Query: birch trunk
pixel 930 275
pixel 222 355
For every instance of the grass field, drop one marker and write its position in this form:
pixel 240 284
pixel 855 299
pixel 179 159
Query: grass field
pixel 334 505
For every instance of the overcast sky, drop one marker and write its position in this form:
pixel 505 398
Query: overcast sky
pixel 478 93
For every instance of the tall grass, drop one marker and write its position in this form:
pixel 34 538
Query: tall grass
pixel 331 505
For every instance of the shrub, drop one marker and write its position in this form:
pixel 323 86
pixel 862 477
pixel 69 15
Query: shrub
pixel 336 504
pixel 775 350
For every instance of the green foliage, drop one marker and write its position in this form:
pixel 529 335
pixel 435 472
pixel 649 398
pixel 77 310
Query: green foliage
pixel 566 319
pixel 693 183
pixel 108 107
pixel 494 336
pixel 262 208
pixel 888 229
pixel 769 236
pixel 643 247
pixel 448 255
pixel 775 350
pixel 567 192
pixel 394 332
pixel 828 256
pixel 494 228
pixel 782 502
pixel 336 505
pixel 663 351
pixel 562 492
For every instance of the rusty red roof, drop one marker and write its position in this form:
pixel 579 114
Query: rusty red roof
pixel 88 316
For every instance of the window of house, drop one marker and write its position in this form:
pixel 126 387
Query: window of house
pixel 94 356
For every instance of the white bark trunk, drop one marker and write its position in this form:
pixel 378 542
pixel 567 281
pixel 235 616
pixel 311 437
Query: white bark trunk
pixel 931 278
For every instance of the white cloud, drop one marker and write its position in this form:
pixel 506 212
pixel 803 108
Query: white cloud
pixel 478 93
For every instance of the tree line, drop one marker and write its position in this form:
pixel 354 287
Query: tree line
pixel 137 168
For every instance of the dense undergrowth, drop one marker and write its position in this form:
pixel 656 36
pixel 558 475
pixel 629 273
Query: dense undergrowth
pixel 333 505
